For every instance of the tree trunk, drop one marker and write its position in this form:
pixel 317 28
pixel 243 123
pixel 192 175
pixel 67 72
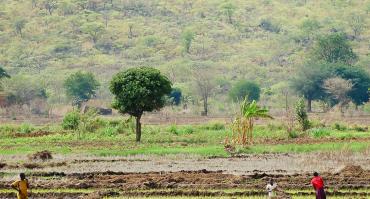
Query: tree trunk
pixel 138 129
pixel 205 105
pixel 309 105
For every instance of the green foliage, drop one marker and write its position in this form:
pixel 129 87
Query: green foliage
pixel 23 90
pixel 26 128
pixel 301 114
pixel 268 25
pixel 293 134
pixel 81 87
pixel 245 90
pixel 216 126
pixel 187 38
pixel 137 90
pixel 19 25
pixel 359 78
pixel 181 130
pixel 228 9
pixel 319 132
pixel 175 96
pixel 339 127
pixel 71 120
pixel 334 48
pixel 309 81
pixel 93 29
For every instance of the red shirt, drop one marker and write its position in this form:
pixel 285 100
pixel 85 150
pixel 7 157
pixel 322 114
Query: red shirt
pixel 317 182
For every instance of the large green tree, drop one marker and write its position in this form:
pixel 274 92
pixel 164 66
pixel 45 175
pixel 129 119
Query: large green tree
pixel 359 78
pixel 81 87
pixel 139 90
pixel 309 80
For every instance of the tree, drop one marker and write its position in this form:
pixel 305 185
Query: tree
pixel 309 80
pixel 187 38
pixel 244 123
pixel 93 29
pixel 301 115
pixel 360 79
pixel 245 90
pixel 3 73
pixel 339 88
pixel 309 27
pixel 175 96
pixel 357 24
pixel 139 90
pixel 81 87
pixel 334 48
pixel 19 25
pixel 50 5
pixel 228 9
pixel 205 84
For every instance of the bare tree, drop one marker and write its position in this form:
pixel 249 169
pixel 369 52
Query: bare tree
pixel 339 88
pixel 205 84
pixel 357 24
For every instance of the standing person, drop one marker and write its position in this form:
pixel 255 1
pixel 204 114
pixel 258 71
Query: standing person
pixel 270 187
pixel 318 185
pixel 21 186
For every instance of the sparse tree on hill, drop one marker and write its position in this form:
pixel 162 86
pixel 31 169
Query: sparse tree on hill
pixel 81 87
pixel 187 39
pixel 19 25
pixel 93 29
pixel 228 10
pixel 139 90
pixel 334 48
pixel 301 115
pixel 357 24
pixel 50 5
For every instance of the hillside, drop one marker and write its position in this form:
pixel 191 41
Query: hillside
pixel 44 41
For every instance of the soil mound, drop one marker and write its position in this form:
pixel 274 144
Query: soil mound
pixel 352 170
pixel 42 155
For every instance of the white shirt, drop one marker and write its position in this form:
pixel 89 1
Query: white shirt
pixel 270 189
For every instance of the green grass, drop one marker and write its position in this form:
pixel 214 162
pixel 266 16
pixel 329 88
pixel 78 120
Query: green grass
pixel 204 140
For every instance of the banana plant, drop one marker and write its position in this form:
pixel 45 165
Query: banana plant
pixel 244 123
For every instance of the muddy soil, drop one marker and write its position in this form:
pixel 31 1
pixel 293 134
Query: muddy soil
pixel 189 183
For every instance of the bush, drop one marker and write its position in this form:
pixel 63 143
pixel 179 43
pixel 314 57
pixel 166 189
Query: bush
pixel 109 131
pixel 293 134
pixel 181 130
pixel 339 127
pixel 267 25
pixel 319 132
pixel 301 115
pixel 214 126
pixel 360 128
pixel 173 129
pixel 26 128
pixel 71 120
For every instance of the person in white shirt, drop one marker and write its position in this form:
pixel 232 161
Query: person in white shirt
pixel 270 187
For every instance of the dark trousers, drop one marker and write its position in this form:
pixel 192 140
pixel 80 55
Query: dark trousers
pixel 320 194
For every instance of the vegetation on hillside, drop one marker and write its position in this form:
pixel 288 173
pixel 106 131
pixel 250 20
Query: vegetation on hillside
pixel 204 47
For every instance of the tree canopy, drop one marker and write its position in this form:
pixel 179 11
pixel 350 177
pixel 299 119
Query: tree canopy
pixel 81 87
pixel 245 89
pixel 139 90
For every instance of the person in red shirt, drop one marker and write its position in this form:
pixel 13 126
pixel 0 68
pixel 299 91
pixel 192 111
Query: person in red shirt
pixel 318 185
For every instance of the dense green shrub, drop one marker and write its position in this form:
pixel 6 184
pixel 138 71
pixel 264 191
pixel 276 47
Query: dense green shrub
pixel 293 134
pixel 71 120
pixel 216 126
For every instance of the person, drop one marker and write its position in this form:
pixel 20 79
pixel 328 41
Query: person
pixel 270 187
pixel 318 184
pixel 21 186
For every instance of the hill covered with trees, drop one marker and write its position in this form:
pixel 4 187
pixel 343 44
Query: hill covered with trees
pixel 204 47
